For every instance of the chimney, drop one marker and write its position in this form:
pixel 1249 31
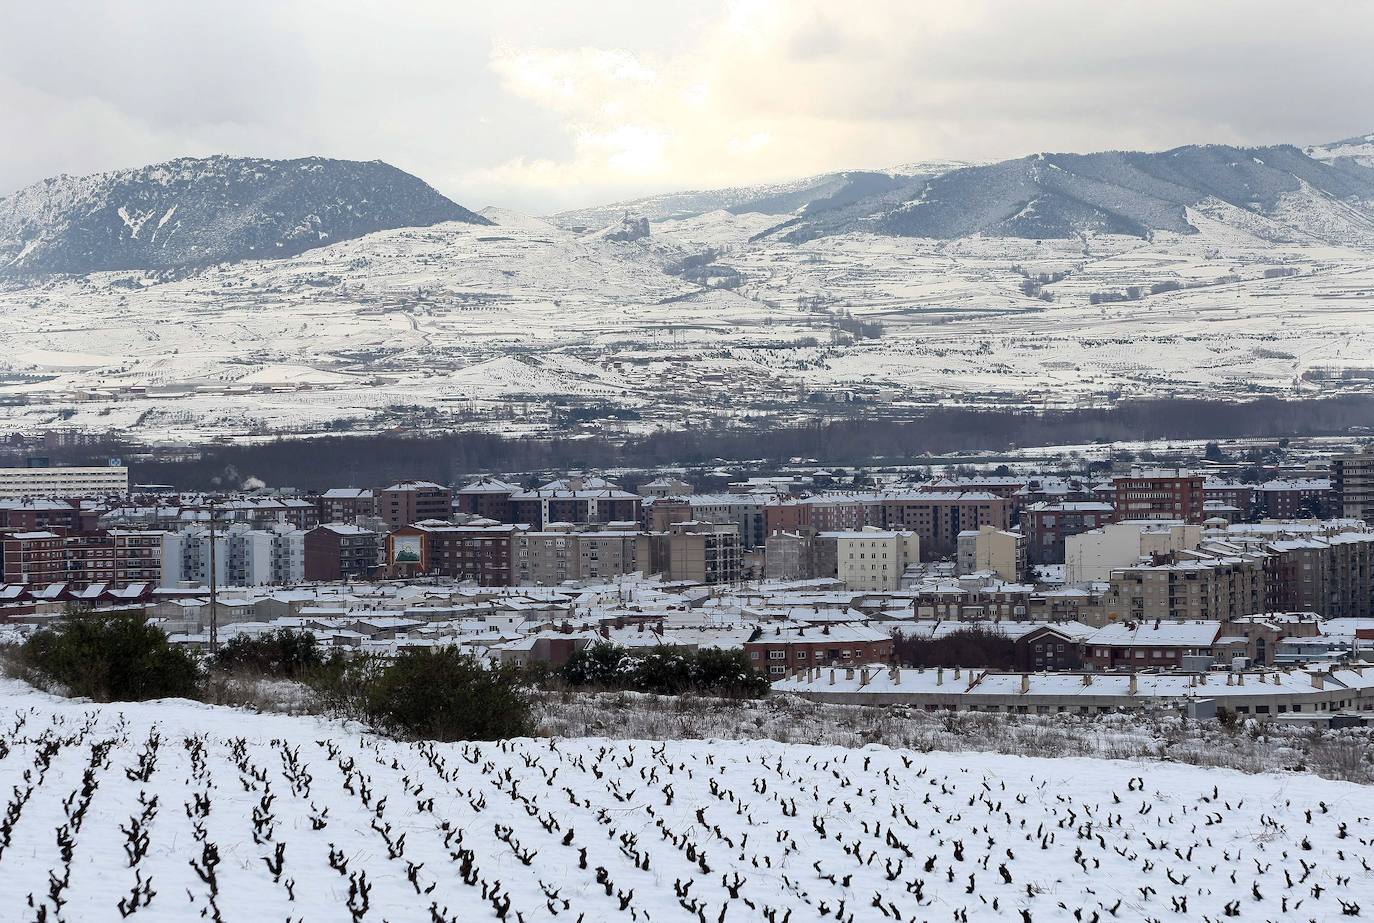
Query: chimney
pixel 1241 678
pixel 1025 683
pixel 1318 681
pixel 940 676
pixel 896 676
pixel 1132 688
pixel 605 630
pixel 1087 679
pixel 863 676
pixel 956 672
pixel 848 672
pixel 832 676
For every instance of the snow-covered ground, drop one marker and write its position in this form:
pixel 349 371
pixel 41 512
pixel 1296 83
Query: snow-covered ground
pixel 182 811
pixel 475 326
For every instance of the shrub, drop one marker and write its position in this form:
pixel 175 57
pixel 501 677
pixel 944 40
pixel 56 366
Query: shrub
pixel 444 694
pixel 284 653
pixel 975 646
pixel 115 657
pixel 665 671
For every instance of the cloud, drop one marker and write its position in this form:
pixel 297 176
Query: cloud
pixel 543 105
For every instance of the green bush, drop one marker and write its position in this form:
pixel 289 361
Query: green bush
pixel 286 653
pixel 111 657
pixel 665 671
pixel 444 694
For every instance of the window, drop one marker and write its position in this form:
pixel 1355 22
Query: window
pixel 777 655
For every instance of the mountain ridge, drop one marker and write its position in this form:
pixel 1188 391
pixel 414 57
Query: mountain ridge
pixel 189 212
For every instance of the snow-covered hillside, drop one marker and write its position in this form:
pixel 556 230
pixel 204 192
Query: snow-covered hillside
pixel 175 811
pixel 196 211
pixel 776 304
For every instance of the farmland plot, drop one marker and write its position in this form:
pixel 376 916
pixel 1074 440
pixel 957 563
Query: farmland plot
pixel 176 811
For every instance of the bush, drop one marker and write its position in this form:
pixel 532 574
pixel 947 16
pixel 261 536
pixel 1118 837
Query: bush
pixel 283 653
pixel 665 671
pixel 116 657
pixel 444 694
pixel 975 646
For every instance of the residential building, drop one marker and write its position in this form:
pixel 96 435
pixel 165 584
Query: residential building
pixel 340 550
pixel 874 559
pixel 1046 525
pixel 488 498
pixel 1001 552
pixel 698 552
pixel 1159 495
pixel 556 555
pixel 1295 498
pixel 1140 645
pixel 1092 556
pixel 1229 493
pixel 576 499
pixel 345 504
pixel 1352 482
pixel 482 554
pixel 744 510
pixel 64 482
pixel 414 501
pixel 782 649
pixel 31 514
pixel 665 487
pixel 937 518
pixel 111 557
pixel 1221 588
pixel 243 556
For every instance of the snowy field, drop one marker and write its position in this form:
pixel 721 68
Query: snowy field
pixel 484 327
pixel 176 811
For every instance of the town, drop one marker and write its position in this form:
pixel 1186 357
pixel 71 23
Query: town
pixel 1119 588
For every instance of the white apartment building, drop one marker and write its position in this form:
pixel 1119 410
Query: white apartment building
pixel 243 556
pixel 1092 556
pixel 64 482
pixel 874 559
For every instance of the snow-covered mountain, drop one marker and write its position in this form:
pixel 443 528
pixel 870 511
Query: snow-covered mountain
pixel 1054 279
pixel 194 212
pixel 1117 192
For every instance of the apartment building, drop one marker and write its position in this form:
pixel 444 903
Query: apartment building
pixel 112 557
pixel 30 514
pixel 874 559
pixel 744 510
pixel 575 500
pixel 1295 498
pixel 64 482
pixel 1205 588
pixel 243 556
pixel 698 552
pixel 1159 495
pixel 552 556
pixel 998 551
pixel 1047 525
pixel 1229 493
pixel 340 550
pixel 409 502
pixel 799 555
pixel 488 498
pixel 937 518
pixel 345 504
pixel 1352 483
pixel 1092 556
pixel 482 554
pixel 666 487
pixel 265 512
pixel 845 512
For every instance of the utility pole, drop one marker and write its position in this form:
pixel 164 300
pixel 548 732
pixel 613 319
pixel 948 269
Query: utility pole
pixel 214 597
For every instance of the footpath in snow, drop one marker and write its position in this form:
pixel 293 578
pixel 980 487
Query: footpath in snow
pixel 179 811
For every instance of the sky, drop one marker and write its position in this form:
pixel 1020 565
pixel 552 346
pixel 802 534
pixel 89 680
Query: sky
pixel 541 105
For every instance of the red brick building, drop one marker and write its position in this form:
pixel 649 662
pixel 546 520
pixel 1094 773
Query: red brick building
pixel 115 557
pixel 414 501
pixel 1046 525
pixel 488 498
pixel 30 515
pixel 345 504
pixel 781 650
pixel 337 550
pixel 483 554
pixel 1296 498
pixel 1159 495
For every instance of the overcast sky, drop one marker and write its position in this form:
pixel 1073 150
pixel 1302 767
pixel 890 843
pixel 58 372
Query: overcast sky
pixel 549 105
